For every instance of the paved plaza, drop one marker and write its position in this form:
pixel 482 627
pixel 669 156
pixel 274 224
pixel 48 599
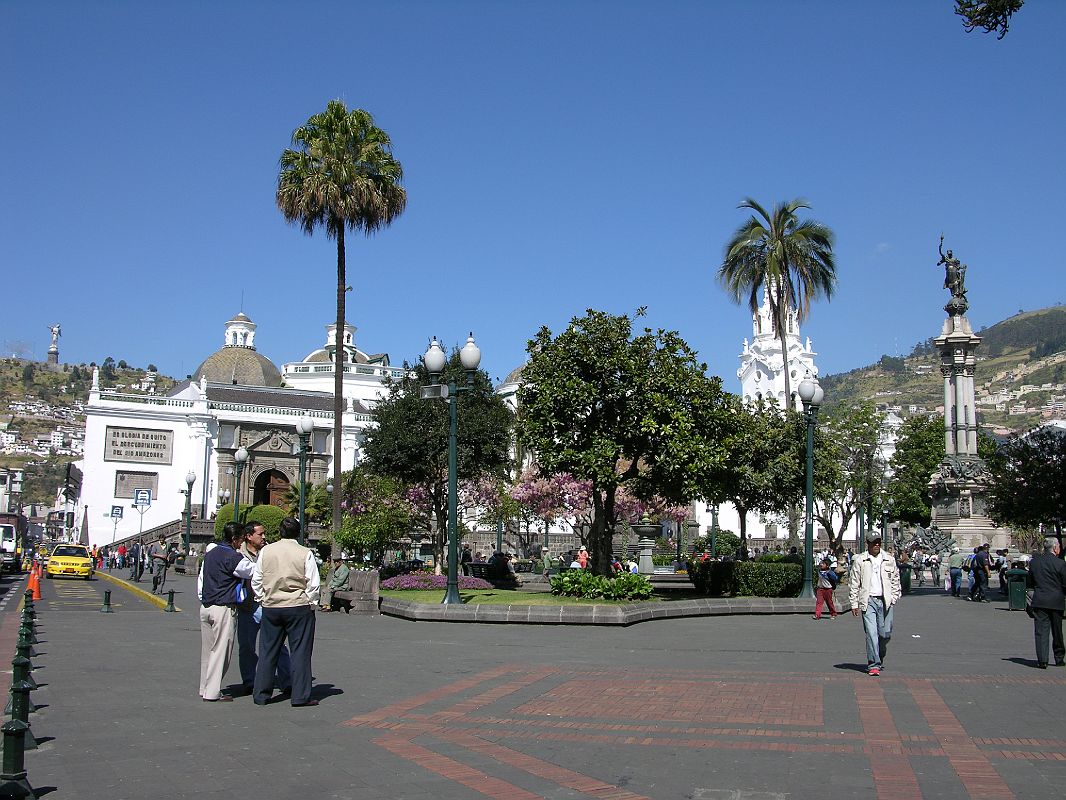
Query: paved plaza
pixel 722 708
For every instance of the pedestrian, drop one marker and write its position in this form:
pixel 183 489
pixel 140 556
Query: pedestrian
pixel 159 558
pixel 955 563
pixel 286 583
pixel 583 557
pixel 220 589
pixel 121 556
pixel 136 567
pixel 249 618
pixel 545 561
pixel 466 557
pixel 875 590
pixel 1047 579
pixel 981 573
pixel 934 568
pixel 338 580
pixel 827 582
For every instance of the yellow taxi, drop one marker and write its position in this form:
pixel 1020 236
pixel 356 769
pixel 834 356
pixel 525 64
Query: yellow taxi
pixel 70 561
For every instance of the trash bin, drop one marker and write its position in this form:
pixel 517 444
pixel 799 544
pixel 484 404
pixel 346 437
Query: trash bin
pixel 1016 588
pixel 905 578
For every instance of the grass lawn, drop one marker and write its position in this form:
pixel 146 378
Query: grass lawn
pixel 497 597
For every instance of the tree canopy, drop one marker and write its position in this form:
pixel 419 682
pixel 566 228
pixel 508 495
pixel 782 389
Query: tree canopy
pixel 340 175
pixel 990 15
pixel 621 410
pixel 919 451
pixel 409 441
pixel 793 259
pixel 1028 479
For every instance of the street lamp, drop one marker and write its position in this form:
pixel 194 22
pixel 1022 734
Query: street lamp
pixel 811 394
pixel 885 510
pixel 434 361
pixel 240 457
pixel 304 426
pixel 190 479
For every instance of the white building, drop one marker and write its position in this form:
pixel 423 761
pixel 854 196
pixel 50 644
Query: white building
pixel 762 363
pixel 236 398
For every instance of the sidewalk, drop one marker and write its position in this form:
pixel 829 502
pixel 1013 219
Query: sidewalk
pixel 752 707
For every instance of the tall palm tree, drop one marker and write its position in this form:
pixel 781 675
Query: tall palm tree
pixel 340 175
pixel 792 258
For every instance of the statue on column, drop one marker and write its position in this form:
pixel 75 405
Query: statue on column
pixel 56 332
pixel 954 273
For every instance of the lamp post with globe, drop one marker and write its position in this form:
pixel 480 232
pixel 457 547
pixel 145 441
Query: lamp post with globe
pixel 435 361
pixel 241 457
pixel 190 479
pixel 304 427
pixel 811 394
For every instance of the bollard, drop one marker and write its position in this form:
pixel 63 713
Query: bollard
pixel 107 603
pixel 13 780
pixel 31 629
pixel 170 601
pixel 29 603
pixel 23 648
pixel 20 706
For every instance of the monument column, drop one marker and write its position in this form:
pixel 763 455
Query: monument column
pixel 959 486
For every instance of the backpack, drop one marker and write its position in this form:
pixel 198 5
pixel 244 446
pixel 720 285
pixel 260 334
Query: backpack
pixel 967 563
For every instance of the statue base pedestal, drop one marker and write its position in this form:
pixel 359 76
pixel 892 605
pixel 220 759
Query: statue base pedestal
pixel 53 357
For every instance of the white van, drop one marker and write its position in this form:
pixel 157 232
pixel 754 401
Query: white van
pixel 8 549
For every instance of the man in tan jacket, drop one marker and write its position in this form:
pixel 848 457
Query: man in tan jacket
pixel 875 590
pixel 286 584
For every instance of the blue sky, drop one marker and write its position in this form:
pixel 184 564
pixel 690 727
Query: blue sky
pixel 557 156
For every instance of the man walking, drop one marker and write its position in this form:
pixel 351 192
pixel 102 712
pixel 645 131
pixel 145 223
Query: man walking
pixel 875 589
pixel 159 557
pixel 136 562
pixel 220 589
pixel 286 584
pixel 955 563
pixel 249 617
pixel 981 572
pixel 1047 579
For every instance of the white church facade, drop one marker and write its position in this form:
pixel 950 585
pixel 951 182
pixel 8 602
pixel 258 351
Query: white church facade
pixel 236 398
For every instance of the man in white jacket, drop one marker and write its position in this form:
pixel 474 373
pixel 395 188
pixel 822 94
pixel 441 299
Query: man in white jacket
pixel 875 590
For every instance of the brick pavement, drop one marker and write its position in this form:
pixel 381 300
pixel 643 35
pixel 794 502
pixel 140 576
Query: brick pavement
pixel 747 708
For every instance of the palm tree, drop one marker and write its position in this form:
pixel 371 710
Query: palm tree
pixel 340 175
pixel 792 258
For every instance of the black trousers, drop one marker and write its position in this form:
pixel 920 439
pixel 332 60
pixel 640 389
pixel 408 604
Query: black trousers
pixel 1048 620
pixel 280 625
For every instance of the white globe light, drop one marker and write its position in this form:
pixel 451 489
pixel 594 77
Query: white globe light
pixel 190 478
pixel 470 355
pixel 434 358
pixel 806 389
pixel 819 395
pixel 305 425
pixel 241 456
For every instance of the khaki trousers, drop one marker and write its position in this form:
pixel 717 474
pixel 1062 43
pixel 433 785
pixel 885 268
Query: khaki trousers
pixel 217 625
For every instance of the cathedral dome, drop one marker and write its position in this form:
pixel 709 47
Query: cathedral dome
pixel 239 365
pixel 238 362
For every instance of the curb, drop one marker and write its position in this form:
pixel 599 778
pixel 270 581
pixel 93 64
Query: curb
pixel 154 599
pixel 594 614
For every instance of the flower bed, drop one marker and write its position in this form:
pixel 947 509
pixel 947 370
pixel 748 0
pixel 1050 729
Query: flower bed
pixel 427 580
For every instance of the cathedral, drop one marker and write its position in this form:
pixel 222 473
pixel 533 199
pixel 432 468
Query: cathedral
pixel 237 398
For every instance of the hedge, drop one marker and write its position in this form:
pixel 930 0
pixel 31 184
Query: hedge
pixel 269 517
pixel 746 578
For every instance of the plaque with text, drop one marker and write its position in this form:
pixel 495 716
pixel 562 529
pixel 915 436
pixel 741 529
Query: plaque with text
pixel 143 445
pixel 126 483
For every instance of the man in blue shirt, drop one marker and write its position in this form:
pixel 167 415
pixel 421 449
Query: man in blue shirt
pixel 220 588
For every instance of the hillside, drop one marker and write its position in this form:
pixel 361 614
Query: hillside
pixel 41 420
pixel 1021 364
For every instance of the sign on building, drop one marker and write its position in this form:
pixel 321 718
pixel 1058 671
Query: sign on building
pixel 127 482
pixel 142 497
pixel 116 512
pixel 144 445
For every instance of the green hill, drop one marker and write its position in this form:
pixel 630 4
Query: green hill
pixel 1026 349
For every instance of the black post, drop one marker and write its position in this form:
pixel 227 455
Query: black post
pixel 107 603
pixel 13 780
pixel 170 601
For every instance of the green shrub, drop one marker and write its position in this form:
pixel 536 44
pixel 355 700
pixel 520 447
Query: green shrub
pixel 582 583
pixel 269 517
pixel 663 561
pixel 767 580
pixel 746 578
pixel 712 578
pixel 223 517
